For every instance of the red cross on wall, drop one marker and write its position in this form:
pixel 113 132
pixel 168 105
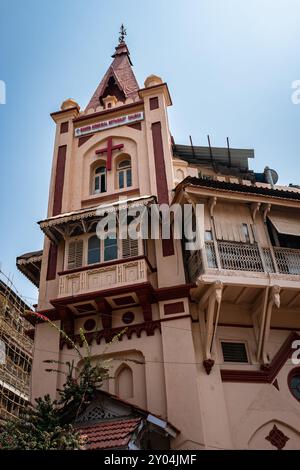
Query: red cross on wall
pixel 109 150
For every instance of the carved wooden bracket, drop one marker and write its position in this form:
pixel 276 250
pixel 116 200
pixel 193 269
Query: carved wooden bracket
pixel 212 204
pixel 214 298
pixel 272 298
pixel 254 209
pixel 266 209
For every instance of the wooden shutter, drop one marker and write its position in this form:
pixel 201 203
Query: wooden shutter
pixel 75 254
pixel 130 248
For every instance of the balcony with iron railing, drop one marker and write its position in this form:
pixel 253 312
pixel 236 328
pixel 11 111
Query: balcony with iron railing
pixel 243 257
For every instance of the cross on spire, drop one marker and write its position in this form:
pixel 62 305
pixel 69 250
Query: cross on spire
pixel 122 33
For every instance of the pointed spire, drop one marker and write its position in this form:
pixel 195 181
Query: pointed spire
pixel 119 80
pixel 122 48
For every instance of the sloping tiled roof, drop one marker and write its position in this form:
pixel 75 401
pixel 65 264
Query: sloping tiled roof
pixel 31 254
pixel 122 72
pixel 256 188
pixel 111 434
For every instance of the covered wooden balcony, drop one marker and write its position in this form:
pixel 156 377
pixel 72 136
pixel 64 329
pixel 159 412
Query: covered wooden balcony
pixel 220 255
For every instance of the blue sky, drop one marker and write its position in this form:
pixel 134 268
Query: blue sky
pixel 229 65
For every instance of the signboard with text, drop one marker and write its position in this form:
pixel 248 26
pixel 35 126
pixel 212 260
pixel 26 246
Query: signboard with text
pixel 115 122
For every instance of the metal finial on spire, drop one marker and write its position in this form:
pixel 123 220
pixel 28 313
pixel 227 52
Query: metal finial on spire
pixel 122 33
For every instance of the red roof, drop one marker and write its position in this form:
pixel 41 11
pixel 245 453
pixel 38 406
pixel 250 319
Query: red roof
pixel 109 434
pixel 123 74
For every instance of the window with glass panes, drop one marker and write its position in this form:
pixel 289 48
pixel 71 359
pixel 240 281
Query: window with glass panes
pixel 124 174
pixel 100 180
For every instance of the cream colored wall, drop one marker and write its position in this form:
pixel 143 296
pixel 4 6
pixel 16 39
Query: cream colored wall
pixel 240 415
pixel 180 371
pixel 254 408
pixel 46 347
pixel 149 384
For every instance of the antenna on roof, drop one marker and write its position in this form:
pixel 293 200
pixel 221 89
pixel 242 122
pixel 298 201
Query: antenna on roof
pixel 229 154
pixel 210 152
pixel 192 145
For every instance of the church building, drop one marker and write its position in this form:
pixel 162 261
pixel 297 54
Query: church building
pixel 207 357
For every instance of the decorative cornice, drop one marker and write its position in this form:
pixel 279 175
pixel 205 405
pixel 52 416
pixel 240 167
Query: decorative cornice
pixel 267 373
pixel 109 333
pixel 85 117
pixel 173 292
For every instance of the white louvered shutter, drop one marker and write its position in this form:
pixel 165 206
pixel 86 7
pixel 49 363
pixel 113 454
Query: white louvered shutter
pixel 75 254
pixel 130 248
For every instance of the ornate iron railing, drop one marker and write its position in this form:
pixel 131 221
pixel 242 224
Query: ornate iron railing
pixel 287 260
pixel 240 256
pixel 243 257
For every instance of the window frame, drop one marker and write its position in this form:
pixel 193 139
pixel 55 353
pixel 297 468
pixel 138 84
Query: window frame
pixel 99 175
pixel 125 172
pixel 295 372
pixel 93 236
pixel 239 341
pixel 85 239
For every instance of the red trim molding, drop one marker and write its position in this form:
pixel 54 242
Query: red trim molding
pixel 59 179
pixel 161 180
pixel 175 307
pixel 52 262
pixel 83 139
pixel 174 292
pixel 109 333
pixel 154 103
pixel 160 169
pixel 64 127
pixel 267 373
pixel 119 110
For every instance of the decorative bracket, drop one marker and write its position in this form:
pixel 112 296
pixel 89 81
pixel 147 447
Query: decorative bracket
pixel 212 298
pixel 211 205
pixel 266 209
pixel 254 209
pixel 271 299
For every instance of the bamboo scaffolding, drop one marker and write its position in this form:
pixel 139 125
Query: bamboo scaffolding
pixel 18 348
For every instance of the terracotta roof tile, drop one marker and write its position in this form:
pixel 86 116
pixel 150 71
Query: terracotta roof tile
pixel 121 70
pixel 109 434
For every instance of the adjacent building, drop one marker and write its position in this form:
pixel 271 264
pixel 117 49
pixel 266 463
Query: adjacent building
pixel 210 333
pixel 16 349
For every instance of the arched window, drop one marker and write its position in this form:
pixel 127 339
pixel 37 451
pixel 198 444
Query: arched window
pixel 93 250
pixel 100 180
pixel 124 174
